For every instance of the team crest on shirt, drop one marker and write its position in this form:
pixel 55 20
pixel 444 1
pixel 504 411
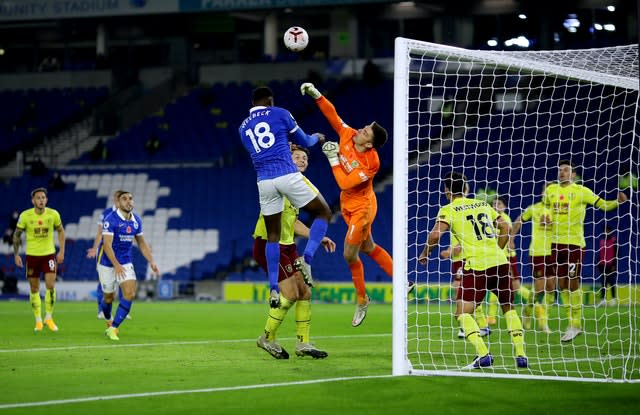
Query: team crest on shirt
pixel 135 225
pixel 289 268
pixel 355 164
pixel 572 196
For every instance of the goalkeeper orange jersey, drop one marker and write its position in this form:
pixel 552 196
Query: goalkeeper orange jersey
pixel 355 173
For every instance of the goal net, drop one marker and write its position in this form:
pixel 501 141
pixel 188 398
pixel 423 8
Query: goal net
pixel 506 120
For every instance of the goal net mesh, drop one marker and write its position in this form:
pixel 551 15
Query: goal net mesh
pixel 505 120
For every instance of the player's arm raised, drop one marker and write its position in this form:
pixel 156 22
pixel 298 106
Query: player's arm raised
pixel 327 108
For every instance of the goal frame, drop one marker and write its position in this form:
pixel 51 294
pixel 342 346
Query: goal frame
pixel 403 47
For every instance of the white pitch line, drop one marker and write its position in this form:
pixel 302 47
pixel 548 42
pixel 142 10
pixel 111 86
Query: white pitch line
pixel 186 343
pixel 184 392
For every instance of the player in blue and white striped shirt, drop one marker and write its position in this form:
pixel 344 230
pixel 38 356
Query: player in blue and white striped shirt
pixel 266 134
pixel 92 252
pixel 115 266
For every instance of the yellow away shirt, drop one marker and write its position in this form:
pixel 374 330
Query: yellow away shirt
pixel 471 222
pixel 540 234
pixel 39 230
pixel 569 207
pixel 455 242
pixel 507 219
pixel 289 216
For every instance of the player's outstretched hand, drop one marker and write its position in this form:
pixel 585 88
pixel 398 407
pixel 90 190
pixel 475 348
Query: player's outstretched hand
pixel 328 244
pixel 331 149
pixel 321 137
pixel 309 89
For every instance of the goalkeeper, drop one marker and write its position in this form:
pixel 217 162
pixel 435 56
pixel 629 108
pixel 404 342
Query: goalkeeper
pixel 486 266
pixel 354 162
pixel 293 289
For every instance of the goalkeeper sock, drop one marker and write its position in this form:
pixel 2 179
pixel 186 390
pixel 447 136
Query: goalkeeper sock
pixel 276 316
pixel 471 332
pixel 383 259
pixel 575 298
pixel 316 232
pixel 36 305
pixel 492 310
pixel 49 301
pixel 481 318
pixel 514 327
pixel 272 254
pixel 303 320
pixel 357 275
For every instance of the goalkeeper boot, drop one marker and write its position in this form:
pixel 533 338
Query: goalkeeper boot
pixel 308 349
pixel 112 333
pixel 522 362
pixel 461 334
pixel 480 362
pixel 50 324
pixel 273 348
pixel 361 312
pixel 305 269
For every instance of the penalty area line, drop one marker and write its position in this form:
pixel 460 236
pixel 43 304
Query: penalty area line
pixel 184 392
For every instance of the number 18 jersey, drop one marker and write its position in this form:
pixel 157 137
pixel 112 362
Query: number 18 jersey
pixel 471 222
pixel 265 134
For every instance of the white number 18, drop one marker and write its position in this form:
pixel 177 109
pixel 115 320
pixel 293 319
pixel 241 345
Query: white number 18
pixel 261 136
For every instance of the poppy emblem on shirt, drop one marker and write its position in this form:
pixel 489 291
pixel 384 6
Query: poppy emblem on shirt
pixel 39 222
pixel 128 229
pixel 561 197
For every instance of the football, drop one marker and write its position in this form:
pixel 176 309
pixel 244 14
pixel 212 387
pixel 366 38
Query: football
pixel 296 39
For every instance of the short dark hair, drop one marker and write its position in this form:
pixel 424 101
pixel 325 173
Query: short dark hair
pixel 379 135
pixel 502 199
pixel 296 147
pixel 567 162
pixel 455 182
pixel 39 189
pixel 260 94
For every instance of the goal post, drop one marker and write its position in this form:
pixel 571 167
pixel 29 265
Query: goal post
pixel 505 119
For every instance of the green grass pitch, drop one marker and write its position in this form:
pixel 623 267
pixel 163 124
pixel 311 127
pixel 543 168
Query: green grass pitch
pixel 176 357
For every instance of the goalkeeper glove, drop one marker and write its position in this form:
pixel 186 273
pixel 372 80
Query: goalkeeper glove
pixel 309 89
pixel 330 149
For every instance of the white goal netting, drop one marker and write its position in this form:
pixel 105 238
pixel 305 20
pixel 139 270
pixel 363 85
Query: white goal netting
pixel 505 120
